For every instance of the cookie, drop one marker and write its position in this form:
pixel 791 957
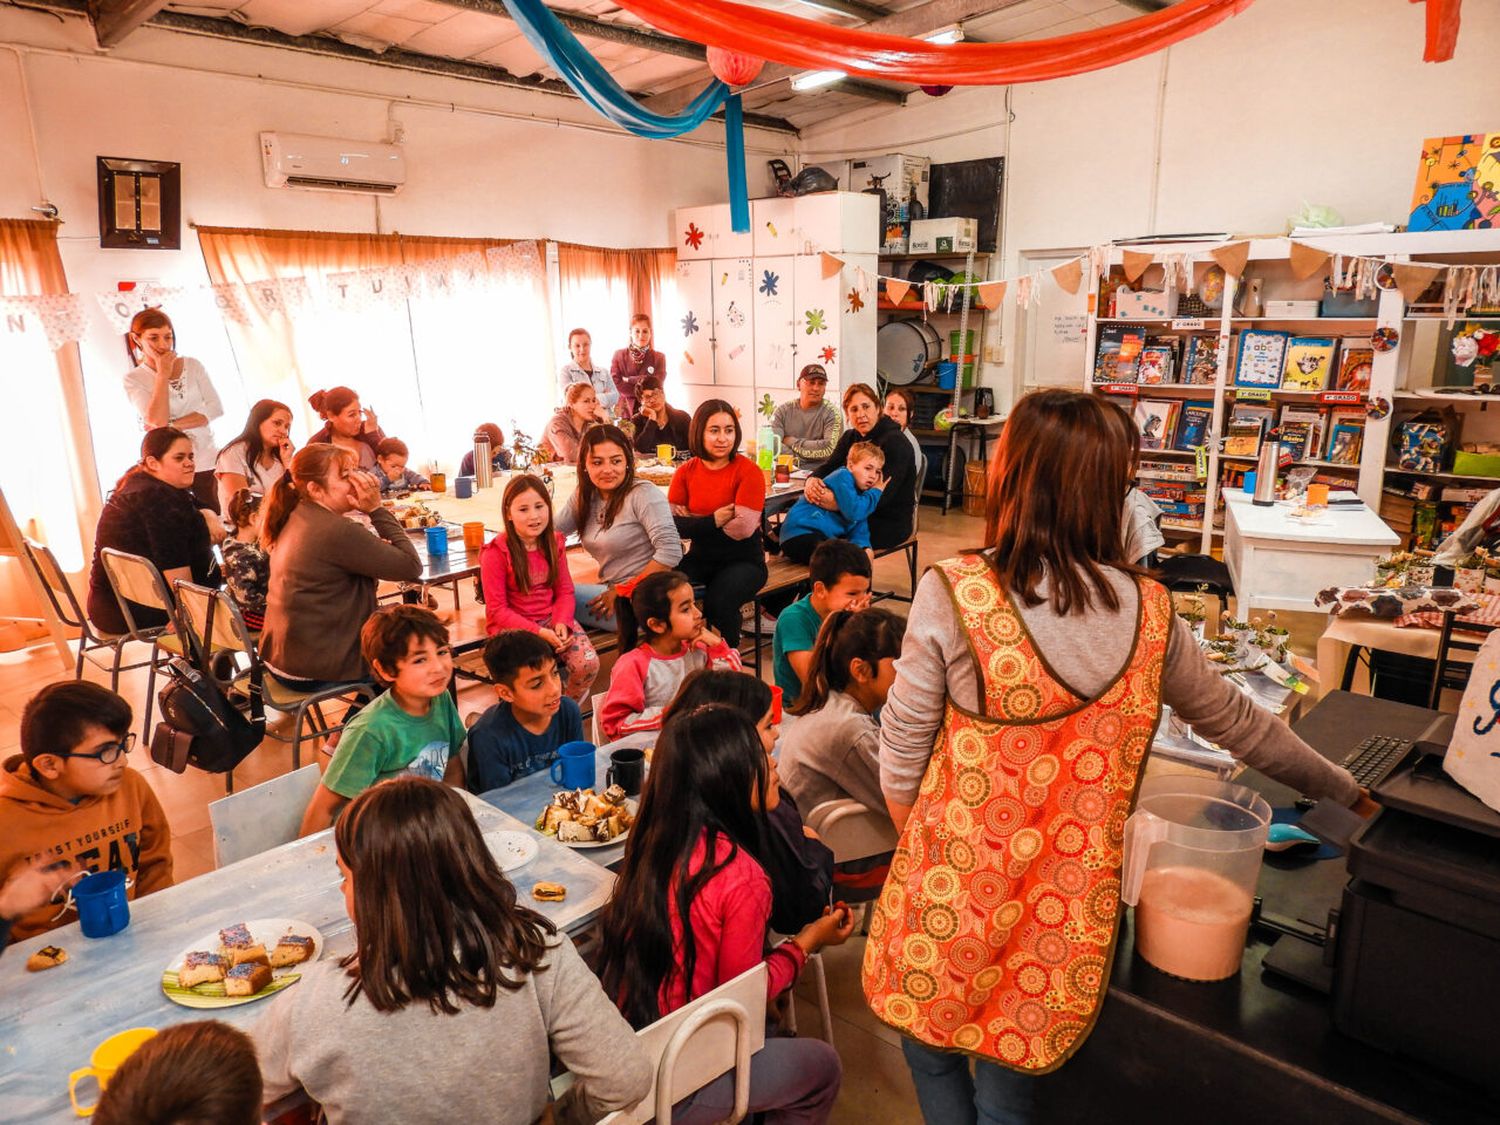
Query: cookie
pixel 47 957
pixel 549 892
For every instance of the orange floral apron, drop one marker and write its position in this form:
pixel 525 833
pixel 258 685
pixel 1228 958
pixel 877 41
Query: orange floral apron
pixel 995 932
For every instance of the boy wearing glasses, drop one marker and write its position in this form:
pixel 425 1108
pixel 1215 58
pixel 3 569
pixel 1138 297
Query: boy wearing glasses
pixel 68 801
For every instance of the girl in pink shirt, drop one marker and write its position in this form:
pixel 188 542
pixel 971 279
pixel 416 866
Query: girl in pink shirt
pixel 527 584
pixel 695 853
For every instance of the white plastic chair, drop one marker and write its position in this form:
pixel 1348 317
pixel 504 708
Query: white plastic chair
pixel 261 817
pixel 851 830
pixel 716 1033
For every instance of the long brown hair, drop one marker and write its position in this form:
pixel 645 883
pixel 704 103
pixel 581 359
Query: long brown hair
pixel 151 317
pixel 588 492
pixel 332 401
pixel 1055 501
pixel 434 918
pixel 312 463
pixel 847 635
pixel 520 566
pixel 163 1080
pixel 155 444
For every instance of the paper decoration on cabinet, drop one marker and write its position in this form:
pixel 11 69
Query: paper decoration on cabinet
pixel 689 324
pixel 1448 192
pixel 831 265
pixel 688 359
pixel 896 290
pixel 768 283
pixel 1232 257
pixel 816 321
pixel 693 237
pixel 1136 262
pixel 829 354
pixel 724 278
pixel 856 302
pixel 1069 275
pixel 1307 260
pixel 1384 339
pixel 735 315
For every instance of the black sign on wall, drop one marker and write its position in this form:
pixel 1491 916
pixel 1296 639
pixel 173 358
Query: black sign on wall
pixel 140 203
pixel 969 189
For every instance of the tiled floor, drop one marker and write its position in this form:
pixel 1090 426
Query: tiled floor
pixel 875 1073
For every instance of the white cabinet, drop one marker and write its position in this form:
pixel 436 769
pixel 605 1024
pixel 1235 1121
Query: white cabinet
pixel 833 319
pixel 694 332
pixel 707 232
pixel 773 226
pixel 840 222
pixel 734 356
pixel 775 352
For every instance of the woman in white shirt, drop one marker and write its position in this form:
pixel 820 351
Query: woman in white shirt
pixel 259 456
pixel 582 369
pixel 168 389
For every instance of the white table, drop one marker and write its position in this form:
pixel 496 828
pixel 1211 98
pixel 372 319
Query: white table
pixel 51 1021
pixel 1281 563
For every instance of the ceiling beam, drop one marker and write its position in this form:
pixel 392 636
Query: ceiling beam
pixel 862 12
pixel 917 21
pixel 622 34
pixel 1148 6
pixel 113 20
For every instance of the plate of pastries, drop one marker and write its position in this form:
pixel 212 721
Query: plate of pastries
pixel 241 963
pixel 581 818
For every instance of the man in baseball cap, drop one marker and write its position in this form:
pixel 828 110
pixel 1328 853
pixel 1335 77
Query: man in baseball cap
pixel 808 426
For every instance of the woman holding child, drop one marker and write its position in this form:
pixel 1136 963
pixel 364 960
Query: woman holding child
pixel 324 567
pixel 1011 746
pixel 894 517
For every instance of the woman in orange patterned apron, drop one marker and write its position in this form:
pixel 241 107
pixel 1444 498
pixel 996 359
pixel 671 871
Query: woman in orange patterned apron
pixel 1029 685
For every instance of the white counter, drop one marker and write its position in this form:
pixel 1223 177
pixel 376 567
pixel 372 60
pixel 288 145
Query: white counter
pixel 1281 563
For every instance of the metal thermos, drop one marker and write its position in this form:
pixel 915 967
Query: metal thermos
pixel 1266 467
pixel 483 472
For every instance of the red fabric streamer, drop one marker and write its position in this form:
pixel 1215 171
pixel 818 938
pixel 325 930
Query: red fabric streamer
pixel 1442 29
pixel 820 46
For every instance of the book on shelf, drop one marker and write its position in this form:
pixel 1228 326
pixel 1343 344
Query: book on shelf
pixel 1149 469
pixel 1254 411
pixel 1118 353
pixel 1200 364
pixel 1158 362
pixel 1242 437
pixel 1308 422
pixel 1295 437
pixel 1192 430
pixel 1157 420
pixel 1308 362
pixel 1261 355
pixel 1344 442
pixel 1356 357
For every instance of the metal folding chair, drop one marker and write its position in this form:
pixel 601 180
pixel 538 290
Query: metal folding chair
pixel 134 578
pixel 70 612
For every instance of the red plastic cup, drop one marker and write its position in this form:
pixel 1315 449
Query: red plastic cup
pixel 775 705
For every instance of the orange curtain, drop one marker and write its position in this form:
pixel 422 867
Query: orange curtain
pixel 640 272
pixel 47 467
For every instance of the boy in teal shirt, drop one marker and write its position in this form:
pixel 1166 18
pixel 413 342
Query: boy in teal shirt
pixel 413 728
pixel 840 575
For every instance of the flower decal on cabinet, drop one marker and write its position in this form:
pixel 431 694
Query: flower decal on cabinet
pixel 816 321
pixel 694 236
pixel 689 324
pixel 829 354
pixel 768 283
pixel 856 302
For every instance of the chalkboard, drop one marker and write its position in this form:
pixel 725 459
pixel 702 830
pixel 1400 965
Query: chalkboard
pixel 969 189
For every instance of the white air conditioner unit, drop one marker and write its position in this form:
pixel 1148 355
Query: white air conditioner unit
pixel 331 164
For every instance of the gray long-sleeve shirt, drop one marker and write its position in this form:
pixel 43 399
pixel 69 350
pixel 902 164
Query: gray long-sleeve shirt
pixel 643 532
pixel 1087 650
pixel 810 434
pixel 479 1064
pixel 832 753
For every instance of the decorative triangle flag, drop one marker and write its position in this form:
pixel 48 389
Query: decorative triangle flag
pixel 831 265
pixel 1307 260
pixel 896 291
pixel 1135 264
pixel 1232 257
pixel 1069 275
pixel 1412 280
pixel 991 293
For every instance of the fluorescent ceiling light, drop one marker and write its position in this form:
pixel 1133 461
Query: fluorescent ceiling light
pixel 812 79
pixel 951 34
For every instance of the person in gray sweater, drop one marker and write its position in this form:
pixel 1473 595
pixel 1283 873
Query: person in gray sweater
pixel 325 567
pixel 455 997
pixel 624 523
pixel 832 751
pixel 808 426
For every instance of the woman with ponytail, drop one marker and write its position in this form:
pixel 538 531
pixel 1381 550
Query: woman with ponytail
pixel 348 424
pixel 153 512
pixel 832 751
pixel 324 567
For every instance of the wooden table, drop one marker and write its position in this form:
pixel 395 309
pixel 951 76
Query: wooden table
pixel 1281 563
pixel 50 1021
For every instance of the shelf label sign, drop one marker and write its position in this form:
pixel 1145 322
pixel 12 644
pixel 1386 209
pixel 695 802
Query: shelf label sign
pixel 1188 324
pixel 1340 398
pixel 1252 394
pixel 1200 461
pixel 1120 389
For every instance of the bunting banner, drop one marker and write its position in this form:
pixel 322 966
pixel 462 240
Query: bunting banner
pixel 1413 281
pixel 1232 257
pixel 831 265
pixel 1069 275
pixel 991 294
pixel 1307 260
pixel 896 290
pixel 1136 262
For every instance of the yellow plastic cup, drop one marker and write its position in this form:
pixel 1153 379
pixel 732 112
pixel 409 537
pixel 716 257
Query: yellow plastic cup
pixel 106 1059
pixel 665 453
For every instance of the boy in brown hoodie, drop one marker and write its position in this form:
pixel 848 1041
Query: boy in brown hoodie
pixel 69 799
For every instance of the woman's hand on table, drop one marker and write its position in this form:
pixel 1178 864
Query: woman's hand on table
pixel 215 524
pixel 604 604
pixel 816 492
pixel 366 491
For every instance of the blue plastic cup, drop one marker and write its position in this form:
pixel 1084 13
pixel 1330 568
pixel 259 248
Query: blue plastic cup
pixel 574 767
pixel 463 487
pixel 101 903
pixel 437 540
pixel 1250 483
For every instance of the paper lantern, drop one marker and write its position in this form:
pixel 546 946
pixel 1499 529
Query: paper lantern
pixel 936 91
pixel 735 68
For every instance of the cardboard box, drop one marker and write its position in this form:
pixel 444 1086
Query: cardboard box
pixel 943 236
pixel 904 180
pixel 1147 304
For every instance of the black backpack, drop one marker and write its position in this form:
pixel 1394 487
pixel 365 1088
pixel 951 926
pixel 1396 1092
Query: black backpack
pixel 201 726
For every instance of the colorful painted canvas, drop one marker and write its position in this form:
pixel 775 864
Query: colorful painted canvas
pixel 1449 194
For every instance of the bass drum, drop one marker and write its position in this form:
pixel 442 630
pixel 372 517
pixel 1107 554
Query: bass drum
pixel 904 349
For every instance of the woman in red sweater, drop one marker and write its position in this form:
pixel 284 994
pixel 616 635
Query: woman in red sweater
pixel 696 851
pixel 717 499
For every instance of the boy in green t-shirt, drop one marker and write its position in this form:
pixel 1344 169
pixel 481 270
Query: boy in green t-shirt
pixel 413 728
pixel 840 575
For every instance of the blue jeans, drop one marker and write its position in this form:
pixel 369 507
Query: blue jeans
pixel 582 595
pixel 950 1095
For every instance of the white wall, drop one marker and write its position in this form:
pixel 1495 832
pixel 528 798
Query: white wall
pixel 483 160
pixel 1327 102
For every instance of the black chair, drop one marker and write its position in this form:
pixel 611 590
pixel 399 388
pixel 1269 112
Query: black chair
pixel 1186 574
pixel 1450 673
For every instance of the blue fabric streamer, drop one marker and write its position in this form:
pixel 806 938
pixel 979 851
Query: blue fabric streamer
pixel 590 81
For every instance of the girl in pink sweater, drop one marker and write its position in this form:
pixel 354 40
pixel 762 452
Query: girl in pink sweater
pixel 695 853
pixel 527 584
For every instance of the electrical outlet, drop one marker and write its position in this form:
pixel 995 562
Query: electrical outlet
pixel 994 353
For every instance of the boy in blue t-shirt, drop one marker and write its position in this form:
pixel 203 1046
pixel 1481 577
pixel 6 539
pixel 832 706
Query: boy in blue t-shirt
pixel 840 575
pixel 857 487
pixel 520 734
pixel 412 728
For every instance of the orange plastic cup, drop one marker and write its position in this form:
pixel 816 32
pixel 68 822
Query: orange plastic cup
pixel 1317 495
pixel 473 536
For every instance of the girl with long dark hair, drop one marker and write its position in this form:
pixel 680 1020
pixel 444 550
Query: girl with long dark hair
pixel 455 996
pixel 153 512
pixel 258 458
pixel 690 909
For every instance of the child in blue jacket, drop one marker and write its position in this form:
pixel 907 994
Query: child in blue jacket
pixel 857 489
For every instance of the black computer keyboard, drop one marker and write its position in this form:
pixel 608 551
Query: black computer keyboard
pixel 1375 757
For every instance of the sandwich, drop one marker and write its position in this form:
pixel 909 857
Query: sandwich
pixel 549 892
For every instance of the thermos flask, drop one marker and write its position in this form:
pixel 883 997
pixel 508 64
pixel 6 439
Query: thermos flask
pixel 1265 470
pixel 483 472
